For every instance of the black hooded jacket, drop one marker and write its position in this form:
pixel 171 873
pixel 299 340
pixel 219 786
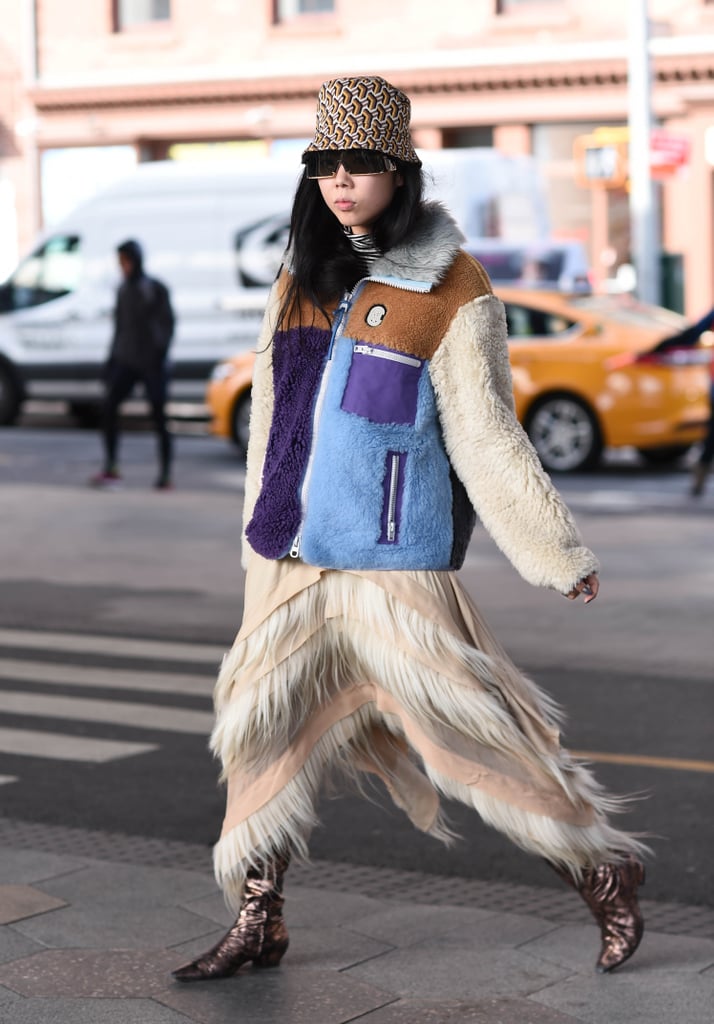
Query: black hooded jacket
pixel 143 317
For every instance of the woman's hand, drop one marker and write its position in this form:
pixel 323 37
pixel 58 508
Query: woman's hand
pixel 588 586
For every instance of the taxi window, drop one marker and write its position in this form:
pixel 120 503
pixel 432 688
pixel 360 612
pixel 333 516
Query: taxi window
pixel 526 322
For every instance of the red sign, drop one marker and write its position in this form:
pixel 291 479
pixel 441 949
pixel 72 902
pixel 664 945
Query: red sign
pixel 668 152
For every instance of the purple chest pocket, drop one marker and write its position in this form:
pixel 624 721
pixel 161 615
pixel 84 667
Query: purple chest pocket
pixel 382 385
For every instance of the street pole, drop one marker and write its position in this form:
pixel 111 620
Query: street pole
pixel 643 216
pixel 31 64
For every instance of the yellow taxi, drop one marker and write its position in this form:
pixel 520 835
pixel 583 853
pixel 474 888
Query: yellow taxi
pixel 586 375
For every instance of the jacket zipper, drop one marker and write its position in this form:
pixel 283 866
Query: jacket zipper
pixel 392 499
pixel 380 353
pixel 337 327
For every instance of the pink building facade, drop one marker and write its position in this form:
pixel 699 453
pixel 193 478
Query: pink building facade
pixel 146 79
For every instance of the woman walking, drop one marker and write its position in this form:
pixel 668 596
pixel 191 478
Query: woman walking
pixel 382 420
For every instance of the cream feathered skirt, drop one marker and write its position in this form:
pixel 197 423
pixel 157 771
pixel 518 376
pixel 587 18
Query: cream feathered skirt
pixel 392 673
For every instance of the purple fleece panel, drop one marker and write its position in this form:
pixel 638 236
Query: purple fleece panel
pixel 382 390
pixel 298 359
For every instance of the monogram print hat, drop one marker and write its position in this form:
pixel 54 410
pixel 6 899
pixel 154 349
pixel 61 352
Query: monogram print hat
pixel 363 113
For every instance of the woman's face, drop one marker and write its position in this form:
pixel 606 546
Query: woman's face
pixel 358 200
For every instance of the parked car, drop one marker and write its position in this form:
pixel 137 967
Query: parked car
pixel 586 375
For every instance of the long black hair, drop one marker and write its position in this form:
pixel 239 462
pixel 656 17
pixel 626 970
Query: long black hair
pixel 323 263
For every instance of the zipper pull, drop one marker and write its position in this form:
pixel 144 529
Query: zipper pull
pixel 295 549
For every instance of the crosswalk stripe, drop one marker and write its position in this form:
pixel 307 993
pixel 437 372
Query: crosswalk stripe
pixel 138 716
pixel 6 779
pixel 105 678
pixel 91 643
pixel 60 747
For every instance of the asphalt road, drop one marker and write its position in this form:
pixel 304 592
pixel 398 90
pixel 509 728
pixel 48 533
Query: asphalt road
pixel 85 577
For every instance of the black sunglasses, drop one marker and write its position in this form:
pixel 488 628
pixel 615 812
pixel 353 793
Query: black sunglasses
pixel 324 163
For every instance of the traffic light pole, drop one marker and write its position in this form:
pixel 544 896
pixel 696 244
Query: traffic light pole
pixel 643 215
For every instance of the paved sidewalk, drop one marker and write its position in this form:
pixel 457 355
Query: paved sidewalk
pixel 85 940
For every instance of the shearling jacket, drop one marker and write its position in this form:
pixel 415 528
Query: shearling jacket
pixel 375 437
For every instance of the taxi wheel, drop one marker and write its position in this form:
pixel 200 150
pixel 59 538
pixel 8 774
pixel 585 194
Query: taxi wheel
pixel 240 421
pixel 664 456
pixel 565 433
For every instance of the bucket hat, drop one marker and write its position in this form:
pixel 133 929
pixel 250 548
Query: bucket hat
pixel 363 113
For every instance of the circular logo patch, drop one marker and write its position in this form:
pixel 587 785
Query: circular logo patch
pixel 375 315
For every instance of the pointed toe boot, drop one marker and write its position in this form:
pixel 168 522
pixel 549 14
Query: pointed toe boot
pixel 610 891
pixel 259 935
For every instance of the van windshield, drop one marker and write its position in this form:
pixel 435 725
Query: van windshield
pixel 48 273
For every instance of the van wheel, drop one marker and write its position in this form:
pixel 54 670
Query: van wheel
pixel 10 398
pixel 565 434
pixel 240 421
pixel 87 414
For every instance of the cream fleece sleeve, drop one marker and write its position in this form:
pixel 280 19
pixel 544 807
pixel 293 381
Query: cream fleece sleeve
pixel 492 455
pixel 261 415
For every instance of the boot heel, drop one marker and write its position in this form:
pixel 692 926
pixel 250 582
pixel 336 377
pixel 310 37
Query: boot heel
pixel 270 959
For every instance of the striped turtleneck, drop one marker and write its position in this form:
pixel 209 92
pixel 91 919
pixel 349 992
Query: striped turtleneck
pixel 364 247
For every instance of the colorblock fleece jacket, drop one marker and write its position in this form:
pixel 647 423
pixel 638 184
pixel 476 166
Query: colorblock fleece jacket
pixel 376 437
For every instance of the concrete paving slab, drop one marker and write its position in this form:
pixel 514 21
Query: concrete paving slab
pixel 7 998
pixel 502 930
pixel 21 901
pixel 648 997
pixel 448 968
pixel 403 924
pixel 573 946
pixel 490 1011
pixel 309 907
pixel 13 945
pixel 121 928
pixel 88 974
pixel 336 948
pixel 212 907
pixel 128 885
pixel 297 996
pixel 29 866
pixel 89 1011
pixel 577 947
pixel 185 951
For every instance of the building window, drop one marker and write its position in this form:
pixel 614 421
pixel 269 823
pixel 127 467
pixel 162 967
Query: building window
pixel 128 13
pixel 287 9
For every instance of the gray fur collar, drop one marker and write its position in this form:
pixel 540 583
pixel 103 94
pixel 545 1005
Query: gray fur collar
pixel 427 254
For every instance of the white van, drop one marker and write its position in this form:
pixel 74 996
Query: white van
pixel 214 233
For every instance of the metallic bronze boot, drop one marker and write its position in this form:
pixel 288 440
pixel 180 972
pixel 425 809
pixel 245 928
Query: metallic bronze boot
pixel 259 934
pixel 610 891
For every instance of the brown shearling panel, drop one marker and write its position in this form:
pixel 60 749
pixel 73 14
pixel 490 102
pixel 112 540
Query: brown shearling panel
pixel 304 314
pixel 415 322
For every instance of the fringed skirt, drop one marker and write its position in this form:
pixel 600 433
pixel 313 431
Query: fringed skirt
pixel 396 674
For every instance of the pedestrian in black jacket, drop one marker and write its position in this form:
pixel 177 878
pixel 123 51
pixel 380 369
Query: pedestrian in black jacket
pixel 143 329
